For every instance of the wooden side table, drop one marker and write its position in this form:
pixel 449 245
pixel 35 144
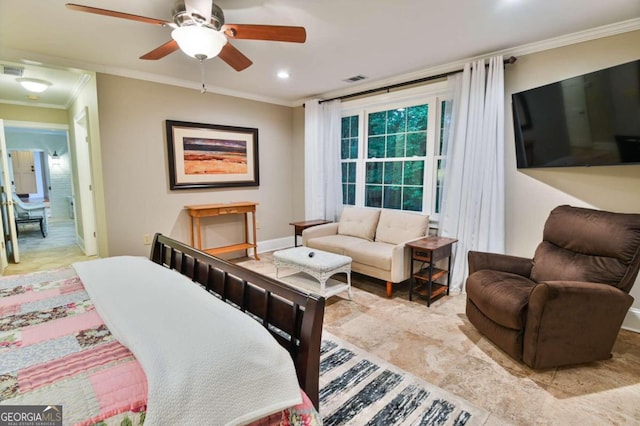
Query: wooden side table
pixel 298 227
pixel 205 210
pixel 428 251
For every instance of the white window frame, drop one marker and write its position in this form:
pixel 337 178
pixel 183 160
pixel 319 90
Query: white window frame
pixel 433 95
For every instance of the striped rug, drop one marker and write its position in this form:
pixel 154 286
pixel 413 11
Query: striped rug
pixel 357 388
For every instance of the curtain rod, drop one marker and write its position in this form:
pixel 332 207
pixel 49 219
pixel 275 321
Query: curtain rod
pixel 507 61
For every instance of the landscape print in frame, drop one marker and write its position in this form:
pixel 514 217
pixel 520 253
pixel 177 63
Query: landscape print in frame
pixel 211 155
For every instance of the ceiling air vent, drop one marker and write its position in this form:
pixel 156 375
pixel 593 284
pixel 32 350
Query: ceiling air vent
pixel 12 70
pixel 355 78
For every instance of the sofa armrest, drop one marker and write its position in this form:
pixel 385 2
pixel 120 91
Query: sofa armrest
pixel 499 262
pixel 570 322
pixel 319 231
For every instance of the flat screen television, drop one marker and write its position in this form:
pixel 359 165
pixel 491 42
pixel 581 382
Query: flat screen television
pixel 588 120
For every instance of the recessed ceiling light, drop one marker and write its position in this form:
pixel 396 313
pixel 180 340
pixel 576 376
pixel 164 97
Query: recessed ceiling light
pixel 283 74
pixel 34 84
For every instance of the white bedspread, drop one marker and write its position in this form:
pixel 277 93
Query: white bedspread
pixel 205 361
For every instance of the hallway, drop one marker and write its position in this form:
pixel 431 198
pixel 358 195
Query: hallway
pixel 58 249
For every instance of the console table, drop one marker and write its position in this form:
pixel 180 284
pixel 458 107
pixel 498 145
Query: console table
pixel 206 210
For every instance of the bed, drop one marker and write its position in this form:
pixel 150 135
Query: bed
pixel 144 348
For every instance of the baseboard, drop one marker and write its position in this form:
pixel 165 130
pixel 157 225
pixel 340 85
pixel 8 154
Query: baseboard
pixel 277 244
pixel 632 320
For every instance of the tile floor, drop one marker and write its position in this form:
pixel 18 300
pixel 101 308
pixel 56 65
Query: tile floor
pixel 439 345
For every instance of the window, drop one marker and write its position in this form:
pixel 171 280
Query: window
pixel 349 155
pixel 392 151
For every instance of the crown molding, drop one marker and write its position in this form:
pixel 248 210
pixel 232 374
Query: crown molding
pixel 70 64
pixel 526 49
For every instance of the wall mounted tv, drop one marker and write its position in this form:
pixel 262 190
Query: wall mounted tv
pixel 589 120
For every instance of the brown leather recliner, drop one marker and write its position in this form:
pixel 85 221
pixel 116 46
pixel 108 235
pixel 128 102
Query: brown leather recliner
pixel 566 305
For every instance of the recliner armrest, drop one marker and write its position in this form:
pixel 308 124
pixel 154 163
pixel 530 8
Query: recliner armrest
pixel 499 262
pixel 569 322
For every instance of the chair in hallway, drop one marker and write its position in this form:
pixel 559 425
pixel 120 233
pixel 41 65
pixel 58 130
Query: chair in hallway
pixel 30 213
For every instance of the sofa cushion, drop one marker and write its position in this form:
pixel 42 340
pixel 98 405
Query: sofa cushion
pixel 501 296
pixel 377 255
pixel 334 243
pixel 395 227
pixel 358 222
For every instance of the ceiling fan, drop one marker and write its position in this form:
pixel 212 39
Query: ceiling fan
pixel 200 31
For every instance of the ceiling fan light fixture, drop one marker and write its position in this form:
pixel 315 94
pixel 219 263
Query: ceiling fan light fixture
pixel 34 85
pixel 199 42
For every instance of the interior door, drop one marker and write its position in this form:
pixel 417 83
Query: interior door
pixel 8 192
pixel 24 172
pixel 86 218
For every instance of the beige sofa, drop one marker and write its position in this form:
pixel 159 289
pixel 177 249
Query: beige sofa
pixel 375 240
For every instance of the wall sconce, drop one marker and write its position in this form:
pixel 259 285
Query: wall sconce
pixel 55 158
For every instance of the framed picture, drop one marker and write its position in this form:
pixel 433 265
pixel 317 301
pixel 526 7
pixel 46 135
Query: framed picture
pixel 211 156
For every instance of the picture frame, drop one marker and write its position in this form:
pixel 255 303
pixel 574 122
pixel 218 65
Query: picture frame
pixel 211 155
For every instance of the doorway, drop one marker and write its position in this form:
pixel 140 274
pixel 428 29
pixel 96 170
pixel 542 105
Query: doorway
pixel 53 173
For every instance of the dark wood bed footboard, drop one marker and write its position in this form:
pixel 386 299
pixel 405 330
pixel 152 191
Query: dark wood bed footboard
pixel 291 316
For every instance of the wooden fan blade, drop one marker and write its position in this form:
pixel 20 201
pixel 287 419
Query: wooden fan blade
pixel 265 32
pixel 116 14
pixel 162 51
pixel 234 57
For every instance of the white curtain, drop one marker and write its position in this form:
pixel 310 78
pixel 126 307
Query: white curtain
pixel 322 167
pixel 473 184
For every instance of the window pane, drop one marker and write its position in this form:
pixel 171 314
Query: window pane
pixel 373 196
pixel 440 174
pixel 345 127
pixel 445 119
pixel 417 118
pixel 377 123
pixel 396 121
pixel 349 194
pixel 393 197
pixel 353 148
pixel 345 172
pixel 376 147
pixel 412 198
pixel 414 172
pixel 417 144
pixel 374 173
pixel 352 172
pixel 354 126
pixel 344 149
pixel 395 146
pixel 393 172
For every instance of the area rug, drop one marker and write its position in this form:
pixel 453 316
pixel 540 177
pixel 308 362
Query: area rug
pixel 358 388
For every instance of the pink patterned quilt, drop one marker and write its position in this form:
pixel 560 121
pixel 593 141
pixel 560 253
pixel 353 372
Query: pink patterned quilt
pixel 55 349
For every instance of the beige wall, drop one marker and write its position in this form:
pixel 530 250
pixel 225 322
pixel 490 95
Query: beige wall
pixel 32 114
pixel 297 159
pixel 531 194
pixel 135 165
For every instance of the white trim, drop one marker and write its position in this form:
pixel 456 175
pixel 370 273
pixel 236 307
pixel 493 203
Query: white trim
pixel 54 61
pixel 526 49
pixel 276 244
pixel 632 320
pixel 36 125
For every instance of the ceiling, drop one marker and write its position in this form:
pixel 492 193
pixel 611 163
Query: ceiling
pixel 374 38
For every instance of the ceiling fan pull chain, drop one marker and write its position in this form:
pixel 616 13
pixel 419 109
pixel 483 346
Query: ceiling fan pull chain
pixel 204 88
